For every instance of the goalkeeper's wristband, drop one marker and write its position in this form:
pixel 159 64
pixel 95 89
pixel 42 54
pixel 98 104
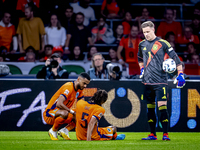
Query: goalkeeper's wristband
pixel 180 71
pixel 71 111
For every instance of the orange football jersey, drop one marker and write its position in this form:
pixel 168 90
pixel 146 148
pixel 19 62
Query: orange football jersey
pixel 84 112
pixel 67 90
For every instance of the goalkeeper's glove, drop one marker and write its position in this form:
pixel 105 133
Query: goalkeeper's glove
pixel 141 71
pixel 180 80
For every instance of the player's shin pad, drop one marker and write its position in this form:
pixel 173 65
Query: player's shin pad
pixel 180 81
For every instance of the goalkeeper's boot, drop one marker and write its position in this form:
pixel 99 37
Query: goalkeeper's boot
pixel 150 137
pixel 64 133
pixel 120 137
pixel 53 134
pixel 165 137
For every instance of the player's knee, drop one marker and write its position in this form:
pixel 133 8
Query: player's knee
pixel 160 103
pixel 114 128
pixel 64 114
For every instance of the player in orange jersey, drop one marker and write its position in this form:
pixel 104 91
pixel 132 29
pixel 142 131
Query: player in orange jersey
pixel 88 115
pixel 59 109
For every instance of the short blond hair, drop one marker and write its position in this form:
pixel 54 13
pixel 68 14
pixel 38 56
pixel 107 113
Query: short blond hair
pixel 147 24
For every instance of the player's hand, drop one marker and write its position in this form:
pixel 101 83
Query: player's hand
pixel 180 81
pixel 141 72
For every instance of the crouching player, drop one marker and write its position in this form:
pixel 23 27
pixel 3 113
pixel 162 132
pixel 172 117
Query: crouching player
pixel 88 115
pixel 59 109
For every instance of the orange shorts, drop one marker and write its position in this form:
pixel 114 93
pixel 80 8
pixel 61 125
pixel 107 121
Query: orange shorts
pixel 49 115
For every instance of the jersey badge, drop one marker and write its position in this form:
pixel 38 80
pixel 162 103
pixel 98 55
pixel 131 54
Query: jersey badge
pixel 155 47
pixel 100 115
pixel 144 48
pixel 66 92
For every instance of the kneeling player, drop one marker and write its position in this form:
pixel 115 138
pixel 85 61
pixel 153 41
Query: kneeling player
pixel 88 115
pixel 59 112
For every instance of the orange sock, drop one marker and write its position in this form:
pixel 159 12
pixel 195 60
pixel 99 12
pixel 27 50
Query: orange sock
pixel 57 123
pixel 114 136
pixel 70 126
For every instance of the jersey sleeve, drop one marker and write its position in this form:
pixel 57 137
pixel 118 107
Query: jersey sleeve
pixel 140 55
pixel 170 51
pixel 66 91
pixel 99 113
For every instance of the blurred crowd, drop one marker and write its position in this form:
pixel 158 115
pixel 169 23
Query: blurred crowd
pixel 34 30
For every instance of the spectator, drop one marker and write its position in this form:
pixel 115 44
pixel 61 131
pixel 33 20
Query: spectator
pixel 195 59
pixel 98 70
pixel 52 70
pixel 3 54
pixel 196 25
pixel 92 50
pixel 55 33
pixel 170 37
pixel 7 33
pixel 113 55
pixel 30 30
pixel 111 9
pixel 118 33
pixel 21 4
pixel 102 33
pixel 77 54
pixel 130 44
pixel 68 18
pixel 48 52
pixel 145 15
pixel 77 35
pixel 191 50
pixel 127 23
pixel 188 37
pixel 84 8
pixel 169 25
pixel 28 49
pixel 30 57
pixel 59 50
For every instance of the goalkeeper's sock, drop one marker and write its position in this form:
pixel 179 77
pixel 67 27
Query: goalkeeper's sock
pixel 164 118
pixel 152 118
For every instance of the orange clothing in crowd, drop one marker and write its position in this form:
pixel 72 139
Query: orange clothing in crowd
pixel 183 40
pixel 127 27
pixel 112 8
pixel 131 51
pixel 71 96
pixel 22 3
pixel 84 112
pixel 164 27
pixel 6 35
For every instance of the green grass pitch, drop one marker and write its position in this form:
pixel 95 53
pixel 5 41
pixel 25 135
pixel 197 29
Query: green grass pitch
pixel 40 140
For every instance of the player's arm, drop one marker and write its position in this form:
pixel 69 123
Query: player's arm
pixel 140 61
pixel 119 50
pixel 60 104
pixel 90 128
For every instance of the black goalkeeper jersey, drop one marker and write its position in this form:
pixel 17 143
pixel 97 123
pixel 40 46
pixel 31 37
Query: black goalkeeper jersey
pixel 152 53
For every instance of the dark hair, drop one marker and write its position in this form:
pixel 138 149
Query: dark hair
pixel 58 23
pixel 99 97
pixel 101 16
pixel 80 13
pixel 30 47
pixel 168 34
pixel 85 75
pixel 48 45
pixel 69 7
pixel 89 49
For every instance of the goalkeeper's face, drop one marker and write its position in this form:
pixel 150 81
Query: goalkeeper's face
pixel 149 33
